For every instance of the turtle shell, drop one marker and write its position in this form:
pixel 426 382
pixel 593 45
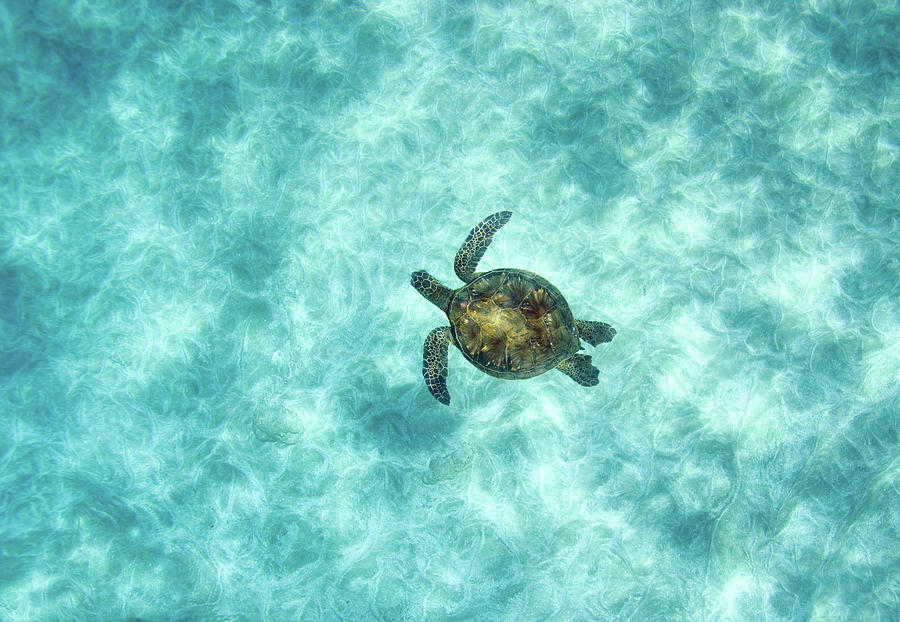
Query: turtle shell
pixel 512 324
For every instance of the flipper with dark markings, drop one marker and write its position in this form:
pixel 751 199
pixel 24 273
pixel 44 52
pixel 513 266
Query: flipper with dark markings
pixel 434 363
pixel 578 367
pixel 479 238
pixel 594 332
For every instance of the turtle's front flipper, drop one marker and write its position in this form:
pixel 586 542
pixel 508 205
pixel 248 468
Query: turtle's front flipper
pixel 578 367
pixel 479 238
pixel 594 332
pixel 434 363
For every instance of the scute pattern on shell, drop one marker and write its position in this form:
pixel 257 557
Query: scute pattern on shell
pixel 512 324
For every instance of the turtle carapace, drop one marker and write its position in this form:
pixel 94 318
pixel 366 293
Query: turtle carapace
pixel 508 323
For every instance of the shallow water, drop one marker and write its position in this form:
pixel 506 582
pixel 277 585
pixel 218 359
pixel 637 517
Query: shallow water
pixel 211 391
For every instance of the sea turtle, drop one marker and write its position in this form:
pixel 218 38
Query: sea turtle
pixel 508 323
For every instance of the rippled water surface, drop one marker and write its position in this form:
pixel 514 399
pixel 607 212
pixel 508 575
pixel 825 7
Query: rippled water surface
pixel 211 400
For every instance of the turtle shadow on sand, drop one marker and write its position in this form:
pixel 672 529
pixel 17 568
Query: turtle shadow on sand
pixel 393 417
pixel 509 323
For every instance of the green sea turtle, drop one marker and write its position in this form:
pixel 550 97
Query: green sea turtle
pixel 508 323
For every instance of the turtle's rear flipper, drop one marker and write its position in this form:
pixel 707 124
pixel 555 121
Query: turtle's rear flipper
pixel 479 238
pixel 434 363
pixel 578 367
pixel 594 332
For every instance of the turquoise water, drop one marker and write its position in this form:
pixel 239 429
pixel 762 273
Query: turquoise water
pixel 212 402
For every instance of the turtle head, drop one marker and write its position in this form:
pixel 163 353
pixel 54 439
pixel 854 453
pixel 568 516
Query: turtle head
pixel 431 289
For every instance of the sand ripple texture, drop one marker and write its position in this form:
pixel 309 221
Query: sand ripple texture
pixel 210 355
